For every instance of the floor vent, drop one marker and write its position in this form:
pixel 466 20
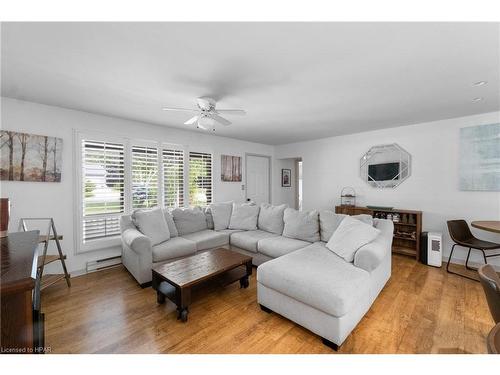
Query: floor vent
pixel 100 264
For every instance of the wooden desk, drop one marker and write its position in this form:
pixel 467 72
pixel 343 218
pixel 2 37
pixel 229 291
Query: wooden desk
pixel 19 259
pixel 490 226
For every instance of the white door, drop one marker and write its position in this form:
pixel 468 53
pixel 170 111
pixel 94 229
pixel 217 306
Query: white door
pixel 257 172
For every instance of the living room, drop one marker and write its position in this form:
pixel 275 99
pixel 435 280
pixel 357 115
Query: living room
pixel 250 187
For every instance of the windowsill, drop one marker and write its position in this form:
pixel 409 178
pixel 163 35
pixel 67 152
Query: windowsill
pixel 100 244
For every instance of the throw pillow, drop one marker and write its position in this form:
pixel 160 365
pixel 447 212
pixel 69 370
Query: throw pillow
pixel 209 217
pixel 365 218
pixel 329 221
pixel 271 218
pixel 301 225
pixel 189 220
pixel 152 224
pixel 350 236
pixel 244 217
pixel 171 225
pixel 221 213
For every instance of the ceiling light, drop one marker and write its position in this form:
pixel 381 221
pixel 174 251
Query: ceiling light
pixel 479 83
pixel 478 99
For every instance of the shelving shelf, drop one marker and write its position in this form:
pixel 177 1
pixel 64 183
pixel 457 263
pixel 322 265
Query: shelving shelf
pixel 400 244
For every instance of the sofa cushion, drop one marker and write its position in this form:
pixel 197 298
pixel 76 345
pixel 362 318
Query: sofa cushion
pixel 271 218
pixel 209 217
pixel 350 236
pixel 301 225
pixel 278 246
pixel 328 223
pixel 170 222
pixel 221 213
pixel 174 248
pixel 317 277
pixel 189 220
pixel 208 239
pixel 244 216
pixel 152 224
pixel 248 240
pixel 230 231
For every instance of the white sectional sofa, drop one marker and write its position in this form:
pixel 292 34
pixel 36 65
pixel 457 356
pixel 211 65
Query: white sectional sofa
pixel 298 276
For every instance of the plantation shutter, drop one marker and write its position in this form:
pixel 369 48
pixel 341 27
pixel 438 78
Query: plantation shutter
pixel 144 177
pixel 200 179
pixel 103 189
pixel 173 178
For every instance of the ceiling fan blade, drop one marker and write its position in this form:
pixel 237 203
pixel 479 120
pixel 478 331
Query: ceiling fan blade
pixel 239 112
pixel 220 120
pixel 192 120
pixel 180 109
pixel 200 126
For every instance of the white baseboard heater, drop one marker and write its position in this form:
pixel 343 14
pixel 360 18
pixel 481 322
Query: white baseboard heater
pixel 100 264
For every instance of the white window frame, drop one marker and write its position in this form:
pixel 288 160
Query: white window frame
pixel 128 143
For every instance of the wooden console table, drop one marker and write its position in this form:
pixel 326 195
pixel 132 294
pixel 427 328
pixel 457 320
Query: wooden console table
pixel 407 232
pixel 21 320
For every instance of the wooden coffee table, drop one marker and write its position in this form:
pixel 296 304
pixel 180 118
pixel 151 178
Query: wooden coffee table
pixel 176 279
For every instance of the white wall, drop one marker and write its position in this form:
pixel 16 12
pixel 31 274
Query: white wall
pixel 284 194
pixel 331 163
pixel 37 199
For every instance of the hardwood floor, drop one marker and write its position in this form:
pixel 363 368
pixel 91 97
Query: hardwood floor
pixel 421 310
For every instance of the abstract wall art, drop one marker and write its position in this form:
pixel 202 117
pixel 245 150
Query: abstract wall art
pixel 480 158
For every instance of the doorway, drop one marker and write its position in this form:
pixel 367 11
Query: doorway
pixel 257 172
pixel 298 168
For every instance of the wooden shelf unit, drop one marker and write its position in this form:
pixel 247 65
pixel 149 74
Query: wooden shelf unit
pixel 400 245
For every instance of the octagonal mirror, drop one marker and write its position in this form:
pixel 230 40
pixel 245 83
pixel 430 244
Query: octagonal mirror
pixel 385 166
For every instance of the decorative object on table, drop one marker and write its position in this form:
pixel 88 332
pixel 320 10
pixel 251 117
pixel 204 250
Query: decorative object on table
pixel 385 166
pixel 396 218
pixel 480 158
pixel 462 236
pixel 286 177
pixel 406 239
pixel 230 168
pixel 348 197
pixel 30 157
pixel 44 259
pixel 4 216
pixel 431 249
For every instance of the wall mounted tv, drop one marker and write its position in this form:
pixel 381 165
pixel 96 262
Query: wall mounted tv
pixel 383 172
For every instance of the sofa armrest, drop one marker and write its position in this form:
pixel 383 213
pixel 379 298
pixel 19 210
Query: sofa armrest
pixel 137 241
pixel 371 255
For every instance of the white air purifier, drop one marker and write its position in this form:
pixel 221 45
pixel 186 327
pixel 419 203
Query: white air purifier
pixel 431 251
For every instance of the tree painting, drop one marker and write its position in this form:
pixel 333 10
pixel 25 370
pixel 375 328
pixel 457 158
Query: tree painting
pixel 30 157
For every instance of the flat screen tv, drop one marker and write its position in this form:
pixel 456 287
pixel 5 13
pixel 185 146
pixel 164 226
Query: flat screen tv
pixel 383 172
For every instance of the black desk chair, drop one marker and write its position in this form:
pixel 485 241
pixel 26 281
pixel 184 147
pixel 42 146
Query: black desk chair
pixel 462 236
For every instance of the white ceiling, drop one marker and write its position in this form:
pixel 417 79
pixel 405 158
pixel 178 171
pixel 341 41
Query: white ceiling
pixel 297 81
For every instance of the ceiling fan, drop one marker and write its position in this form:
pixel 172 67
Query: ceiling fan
pixel 207 115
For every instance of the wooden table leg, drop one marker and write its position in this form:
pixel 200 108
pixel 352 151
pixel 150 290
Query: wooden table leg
pixel 244 283
pixel 183 301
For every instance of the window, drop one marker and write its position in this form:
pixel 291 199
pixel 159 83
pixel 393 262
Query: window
pixel 144 177
pixel 102 189
pixel 173 178
pixel 200 179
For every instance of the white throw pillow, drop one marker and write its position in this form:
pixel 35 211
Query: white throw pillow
pixel 152 224
pixel 350 236
pixel 301 225
pixel 365 218
pixel 170 222
pixel 271 218
pixel 329 221
pixel 189 220
pixel 244 217
pixel 221 214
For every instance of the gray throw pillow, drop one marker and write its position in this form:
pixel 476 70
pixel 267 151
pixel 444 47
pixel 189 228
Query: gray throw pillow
pixel 152 224
pixel 209 217
pixel 189 220
pixel 244 217
pixel 329 221
pixel 271 218
pixel 170 222
pixel 221 213
pixel 301 225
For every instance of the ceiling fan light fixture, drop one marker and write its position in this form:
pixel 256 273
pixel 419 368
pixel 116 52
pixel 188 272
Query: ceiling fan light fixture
pixel 480 83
